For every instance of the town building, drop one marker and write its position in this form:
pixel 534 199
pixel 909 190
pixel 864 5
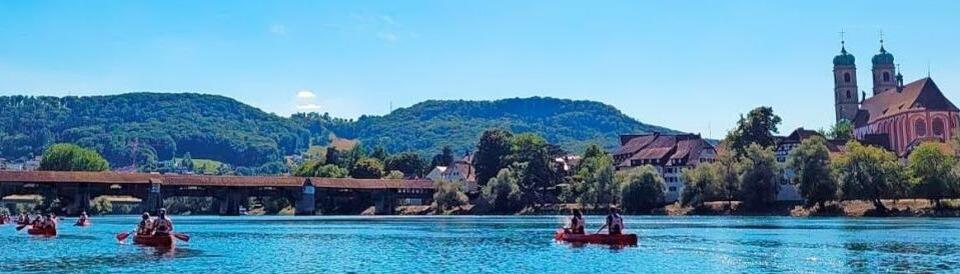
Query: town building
pixel 898 115
pixel 461 171
pixel 670 154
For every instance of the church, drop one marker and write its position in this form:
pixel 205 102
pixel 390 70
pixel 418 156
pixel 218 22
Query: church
pixel 897 115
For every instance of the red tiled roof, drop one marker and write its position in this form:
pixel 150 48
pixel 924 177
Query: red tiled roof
pixel 918 95
pixel 76 176
pixel 203 180
pixel 687 147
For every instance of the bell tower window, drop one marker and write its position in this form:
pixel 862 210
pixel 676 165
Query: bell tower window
pixel 886 76
pixel 848 94
pixel 846 77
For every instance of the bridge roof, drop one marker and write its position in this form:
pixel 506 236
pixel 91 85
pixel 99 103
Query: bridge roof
pixel 76 177
pixel 205 180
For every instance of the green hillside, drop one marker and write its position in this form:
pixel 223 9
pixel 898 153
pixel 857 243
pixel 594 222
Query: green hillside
pixel 428 126
pixel 167 125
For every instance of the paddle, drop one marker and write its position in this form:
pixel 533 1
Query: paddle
pixel 182 237
pixel 123 236
pixel 20 227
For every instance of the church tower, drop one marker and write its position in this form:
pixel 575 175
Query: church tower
pixel 884 71
pixel 845 85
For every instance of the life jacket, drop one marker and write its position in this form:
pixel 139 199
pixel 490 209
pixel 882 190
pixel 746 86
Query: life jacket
pixel 163 225
pixel 145 227
pixel 616 223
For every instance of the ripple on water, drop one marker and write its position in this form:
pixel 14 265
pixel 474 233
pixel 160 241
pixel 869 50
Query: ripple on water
pixel 495 244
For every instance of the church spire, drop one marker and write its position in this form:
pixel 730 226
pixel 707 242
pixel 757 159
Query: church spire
pixel 884 71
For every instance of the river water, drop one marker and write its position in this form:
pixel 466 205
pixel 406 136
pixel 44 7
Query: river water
pixel 495 244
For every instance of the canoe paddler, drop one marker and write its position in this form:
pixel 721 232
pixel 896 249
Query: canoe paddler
pixel 614 222
pixel 145 227
pixel 83 218
pixel 576 223
pixel 49 222
pixel 162 224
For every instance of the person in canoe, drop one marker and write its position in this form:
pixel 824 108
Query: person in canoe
pixel 614 224
pixel 145 227
pixel 162 225
pixel 49 222
pixel 37 221
pixel 83 219
pixel 576 223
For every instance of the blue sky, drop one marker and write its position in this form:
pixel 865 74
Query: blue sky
pixel 689 65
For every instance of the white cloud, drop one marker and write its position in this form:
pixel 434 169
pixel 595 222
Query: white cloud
pixel 306 94
pixel 310 106
pixel 278 29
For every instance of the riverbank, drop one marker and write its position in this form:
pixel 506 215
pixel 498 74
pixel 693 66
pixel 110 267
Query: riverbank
pixel 895 208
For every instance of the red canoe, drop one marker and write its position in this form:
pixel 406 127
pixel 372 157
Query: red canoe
pixel 153 240
pixel 606 239
pixel 42 232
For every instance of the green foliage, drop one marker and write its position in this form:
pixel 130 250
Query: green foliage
pixel 641 189
pixel 869 173
pixel 492 150
pixel 209 126
pixel 70 157
pixel 593 182
pixel 932 173
pixel 380 153
pixel 757 127
pixel 315 168
pixel 448 195
pixel 408 163
pixel 759 174
pixel 445 158
pixel 101 205
pixel 842 130
pixel 367 168
pixel 426 127
pixel 811 163
pixel 503 191
pixel 532 160
pixel 394 174
pixel 701 183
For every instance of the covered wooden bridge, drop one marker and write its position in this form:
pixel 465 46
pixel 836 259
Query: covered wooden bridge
pixel 76 189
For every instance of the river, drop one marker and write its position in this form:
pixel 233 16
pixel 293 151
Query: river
pixel 472 244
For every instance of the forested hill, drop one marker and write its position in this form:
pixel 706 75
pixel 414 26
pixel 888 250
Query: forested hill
pixel 428 126
pixel 164 125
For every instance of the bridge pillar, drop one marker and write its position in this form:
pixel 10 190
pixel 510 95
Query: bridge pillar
pixel 81 200
pixel 307 202
pixel 384 202
pixel 230 200
pixel 154 200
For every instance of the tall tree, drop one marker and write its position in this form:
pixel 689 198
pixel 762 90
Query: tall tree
pixel 503 191
pixel 492 150
pixel 757 127
pixel 407 162
pixel 811 163
pixel 380 153
pixel 641 189
pixel 700 183
pixel 537 169
pixel 187 162
pixel 367 168
pixel 759 174
pixel 931 169
pixel 842 130
pixel 445 158
pixel 868 173
pixel 70 157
